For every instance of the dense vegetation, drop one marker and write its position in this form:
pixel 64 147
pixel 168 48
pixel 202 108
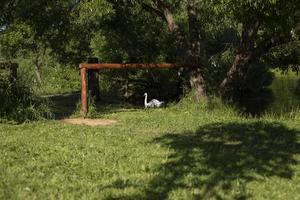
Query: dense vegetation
pixel 19 103
pixel 230 125
pixel 232 44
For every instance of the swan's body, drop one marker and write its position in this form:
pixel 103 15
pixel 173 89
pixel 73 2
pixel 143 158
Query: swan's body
pixel 153 103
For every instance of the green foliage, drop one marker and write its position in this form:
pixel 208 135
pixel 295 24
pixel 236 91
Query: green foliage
pixel 184 151
pixel 16 40
pixel 93 11
pixel 269 11
pixel 58 79
pixel 218 65
pixel 285 57
pixel 53 35
pixel 18 102
pixel 132 40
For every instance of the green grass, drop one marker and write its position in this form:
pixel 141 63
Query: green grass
pixel 186 151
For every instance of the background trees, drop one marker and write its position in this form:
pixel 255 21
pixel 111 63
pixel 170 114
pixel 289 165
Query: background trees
pixel 233 44
pixel 262 25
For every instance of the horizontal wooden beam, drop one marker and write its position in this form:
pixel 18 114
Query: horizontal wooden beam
pixel 132 65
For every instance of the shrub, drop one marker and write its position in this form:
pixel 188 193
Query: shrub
pixel 18 102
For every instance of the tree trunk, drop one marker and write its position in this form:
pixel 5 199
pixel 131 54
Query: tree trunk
pixel 174 29
pixel 194 52
pixel 39 59
pixel 188 53
pixel 37 70
pixel 198 83
pixel 235 77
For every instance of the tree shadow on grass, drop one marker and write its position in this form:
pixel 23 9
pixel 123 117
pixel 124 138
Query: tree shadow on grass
pixel 218 160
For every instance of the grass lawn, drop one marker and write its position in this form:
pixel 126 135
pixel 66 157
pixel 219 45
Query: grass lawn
pixel 180 152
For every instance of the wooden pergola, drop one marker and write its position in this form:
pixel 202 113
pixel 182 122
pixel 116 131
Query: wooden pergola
pixel 13 67
pixel 85 67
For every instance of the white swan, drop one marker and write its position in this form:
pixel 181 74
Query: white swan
pixel 153 103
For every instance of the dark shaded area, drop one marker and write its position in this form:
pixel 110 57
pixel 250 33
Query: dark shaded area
pixel 93 80
pixel 249 89
pixel 65 105
pixel 297 89
pixel 255 103
pixel 218 155
pixel 220 159
pixel 129 85
pixel 18 103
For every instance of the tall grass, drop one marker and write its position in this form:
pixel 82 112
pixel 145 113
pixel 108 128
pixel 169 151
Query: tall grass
pixel 18 102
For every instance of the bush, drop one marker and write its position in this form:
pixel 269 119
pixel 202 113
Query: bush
pixel 18 102
pixel 56 78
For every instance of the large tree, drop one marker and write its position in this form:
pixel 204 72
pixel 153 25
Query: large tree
pixel 262 25
pixel 181 18
pixel 187 32
pixel 142 30
pixel 29 28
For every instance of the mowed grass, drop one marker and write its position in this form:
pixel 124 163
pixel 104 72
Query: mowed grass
pixel 185 151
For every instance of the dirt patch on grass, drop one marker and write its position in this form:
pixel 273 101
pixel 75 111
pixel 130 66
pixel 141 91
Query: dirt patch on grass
pixel 90 122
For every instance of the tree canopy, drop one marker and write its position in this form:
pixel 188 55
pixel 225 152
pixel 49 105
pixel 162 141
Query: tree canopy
pixel 229 41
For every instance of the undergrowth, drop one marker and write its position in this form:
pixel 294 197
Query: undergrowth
pixel 18 103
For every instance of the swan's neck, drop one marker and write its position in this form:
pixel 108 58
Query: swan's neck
pixel 145 102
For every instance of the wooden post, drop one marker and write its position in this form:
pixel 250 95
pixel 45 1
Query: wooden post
pixel 94 66
pixel 93 80
pixel 84 106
